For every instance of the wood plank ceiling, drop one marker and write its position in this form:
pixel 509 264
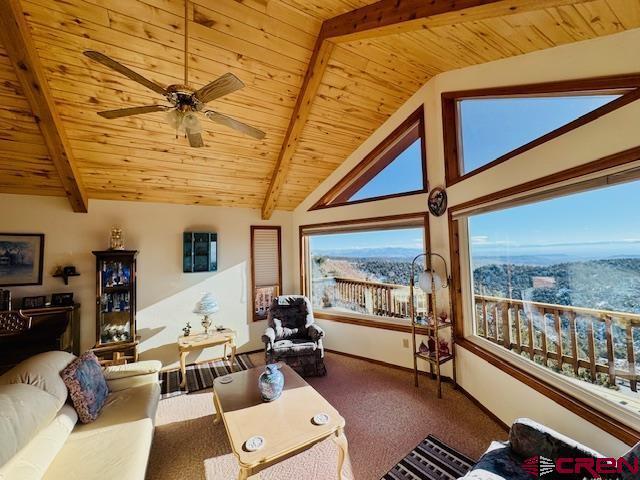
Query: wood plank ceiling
pixel 267 44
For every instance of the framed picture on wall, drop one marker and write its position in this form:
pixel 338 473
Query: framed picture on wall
pixel 21 259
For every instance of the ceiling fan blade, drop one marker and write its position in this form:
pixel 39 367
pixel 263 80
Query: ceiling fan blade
pixel 125 112
pixel 126 71
pixel 224 85
pixel 235 124
pixel 195 139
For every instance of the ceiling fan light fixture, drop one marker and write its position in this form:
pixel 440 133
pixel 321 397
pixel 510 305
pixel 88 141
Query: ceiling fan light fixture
pixel 191 122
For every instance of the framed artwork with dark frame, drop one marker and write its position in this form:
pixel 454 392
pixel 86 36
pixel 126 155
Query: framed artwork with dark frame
pixel 21 259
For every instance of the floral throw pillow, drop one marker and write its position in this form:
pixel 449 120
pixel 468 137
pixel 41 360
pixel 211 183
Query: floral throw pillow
pixel 87 387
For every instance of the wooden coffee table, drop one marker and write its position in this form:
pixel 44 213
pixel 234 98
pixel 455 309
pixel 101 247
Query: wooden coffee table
pixel 285 424
pixel 199 341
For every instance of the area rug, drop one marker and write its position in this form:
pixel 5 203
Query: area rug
pixel 200 376
pixel 431 460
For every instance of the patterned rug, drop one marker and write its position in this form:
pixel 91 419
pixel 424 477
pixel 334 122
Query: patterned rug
pixel 431 460
pixel 200 376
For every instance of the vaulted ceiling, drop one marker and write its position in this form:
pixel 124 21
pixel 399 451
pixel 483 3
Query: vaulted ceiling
pixel 268 44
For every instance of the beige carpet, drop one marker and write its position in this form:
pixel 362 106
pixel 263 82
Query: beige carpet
pixel 385 415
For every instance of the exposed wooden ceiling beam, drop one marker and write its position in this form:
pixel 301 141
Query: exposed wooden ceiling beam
pixel 16 38
pixel 388 17
pixel 315 71
pixel 381 18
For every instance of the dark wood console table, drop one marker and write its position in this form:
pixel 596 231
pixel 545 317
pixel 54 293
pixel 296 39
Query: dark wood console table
pixel 52 328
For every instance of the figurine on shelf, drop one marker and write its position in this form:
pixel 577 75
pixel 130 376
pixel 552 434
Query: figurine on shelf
pixel 443 348
pixel 116 240
pixel 431 343
pixel 187 329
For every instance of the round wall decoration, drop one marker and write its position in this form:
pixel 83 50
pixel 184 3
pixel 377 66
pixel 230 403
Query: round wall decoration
pixel 437 201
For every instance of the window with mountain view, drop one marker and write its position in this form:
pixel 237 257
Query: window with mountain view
pixel 492 127
pixel 558 283
pixel 364 272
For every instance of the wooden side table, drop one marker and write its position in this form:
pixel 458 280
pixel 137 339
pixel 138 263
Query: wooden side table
pixel 203 340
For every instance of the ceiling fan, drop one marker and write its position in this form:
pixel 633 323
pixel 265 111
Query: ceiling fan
pixel 187 104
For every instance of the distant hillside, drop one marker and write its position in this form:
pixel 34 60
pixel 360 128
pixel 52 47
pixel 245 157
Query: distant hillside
pixel 612 284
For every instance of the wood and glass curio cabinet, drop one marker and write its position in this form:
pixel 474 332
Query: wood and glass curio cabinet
pixel 116 305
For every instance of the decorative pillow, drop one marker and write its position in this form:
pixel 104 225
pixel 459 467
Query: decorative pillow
pixel 87 387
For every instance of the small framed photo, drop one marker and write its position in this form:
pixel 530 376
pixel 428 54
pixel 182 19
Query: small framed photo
pixel 61 299
pixel 34 302
pixel 21 259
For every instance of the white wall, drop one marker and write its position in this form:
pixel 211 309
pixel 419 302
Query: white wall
pixel 166 295
pixel 499 392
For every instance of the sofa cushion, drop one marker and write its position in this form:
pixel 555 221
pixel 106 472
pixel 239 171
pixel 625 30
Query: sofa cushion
pixel 25 410
pixel 42 371
pixel 34 459
pixel 87 387
pixel 125 426
pixel 295 346
pixel 143 367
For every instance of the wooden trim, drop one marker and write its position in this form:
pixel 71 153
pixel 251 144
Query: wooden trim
pixel 21 50
pixel 456 284
pixel 317 65
pixel 381 156
pixel 366 322
pixel 473 400
pixel 381 219
pixel 618 429
pixel 610 161
pixel 387 17
pixel 629 85
pixel 253 269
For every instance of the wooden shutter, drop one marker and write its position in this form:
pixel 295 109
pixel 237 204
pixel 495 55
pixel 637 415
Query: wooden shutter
pixel 266 267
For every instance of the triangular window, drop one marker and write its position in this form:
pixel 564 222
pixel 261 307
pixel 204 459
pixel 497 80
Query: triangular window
pixel 492 127
pixel 393 168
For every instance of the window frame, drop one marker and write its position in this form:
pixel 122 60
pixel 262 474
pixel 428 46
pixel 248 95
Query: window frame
pixel 254 228
pixel 617 168
pixel 350 226
pixel 627 85
pixel 375 161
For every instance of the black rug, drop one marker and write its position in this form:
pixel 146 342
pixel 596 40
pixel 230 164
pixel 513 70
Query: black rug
pixel 200 376
pixel 431 460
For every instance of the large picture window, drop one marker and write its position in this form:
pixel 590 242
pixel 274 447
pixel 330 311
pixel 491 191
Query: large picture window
pixel 558 283
pixel 364 271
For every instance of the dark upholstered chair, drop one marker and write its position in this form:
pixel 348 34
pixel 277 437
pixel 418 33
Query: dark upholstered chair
pixel 293 337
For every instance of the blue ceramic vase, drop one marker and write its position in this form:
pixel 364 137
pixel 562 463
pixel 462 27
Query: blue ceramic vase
pixel 271 383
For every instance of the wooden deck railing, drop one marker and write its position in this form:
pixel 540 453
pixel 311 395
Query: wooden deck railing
pixel 586 341
pixel 373 298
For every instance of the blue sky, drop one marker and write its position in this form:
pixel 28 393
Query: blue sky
pixel 493 127
pixel 602 222
pixel 404 174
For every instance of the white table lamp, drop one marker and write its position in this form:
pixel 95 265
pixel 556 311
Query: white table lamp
pixel 206 306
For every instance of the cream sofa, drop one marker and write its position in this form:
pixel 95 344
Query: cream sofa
pixel 40 437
